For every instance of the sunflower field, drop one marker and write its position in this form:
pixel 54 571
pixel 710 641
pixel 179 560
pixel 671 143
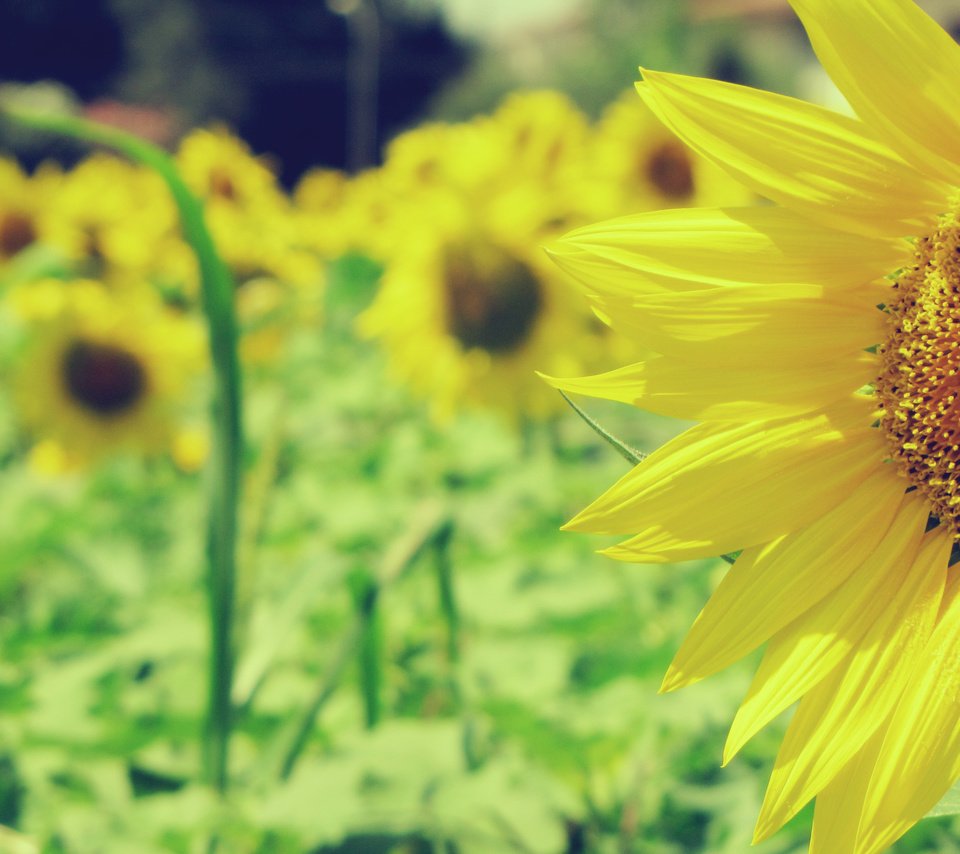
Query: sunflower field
pixel 306 475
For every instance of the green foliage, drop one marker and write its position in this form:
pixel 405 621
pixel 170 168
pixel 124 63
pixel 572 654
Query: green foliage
pixel 426 663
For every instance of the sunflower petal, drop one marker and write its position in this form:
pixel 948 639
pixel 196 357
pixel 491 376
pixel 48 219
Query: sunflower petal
pixel 836 817
pixel 718 487
pixel 840 714
pixel 812 647
pixel 770 586
pixel 720 393
pixel 899 71
pixel 804 157
pixel 697 248
pixel 747 325
pixel 920 757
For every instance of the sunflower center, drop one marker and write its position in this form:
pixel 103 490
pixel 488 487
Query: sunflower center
pixel 669 169
pixel 17 232
pixel 492 300
pixel 103 378
pixel 919 384
pixel 222 185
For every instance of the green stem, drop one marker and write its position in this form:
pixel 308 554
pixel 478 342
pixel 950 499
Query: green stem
pixel 631 455
pixel 445 590
pixel 366 594
pixel 217 292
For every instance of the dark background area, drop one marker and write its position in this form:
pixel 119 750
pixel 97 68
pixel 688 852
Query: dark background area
pixel 281 73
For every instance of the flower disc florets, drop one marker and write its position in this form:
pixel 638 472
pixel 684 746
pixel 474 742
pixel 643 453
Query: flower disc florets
pixel 919 385
pixel 493 300
pixel 670 170
pixel 104 379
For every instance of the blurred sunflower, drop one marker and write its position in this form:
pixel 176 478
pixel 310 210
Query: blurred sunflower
pixel 469 305
pixel 221 169
pixel 322 205
pixel 260 236
pixel 819 349
pixel 24 207
pixel 100 373
pixel 111 216
pixel 638 164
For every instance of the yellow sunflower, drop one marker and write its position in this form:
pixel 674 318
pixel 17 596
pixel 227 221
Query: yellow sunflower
pixel 322 209
pixel 100 373
pixel 221 169
pixel 24 207
pixel 471 306
pixel 468 308
pixel 110 215
pixel 259 235
pixel 638 164
pixel 817 342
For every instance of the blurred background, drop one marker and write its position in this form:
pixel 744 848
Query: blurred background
pixel 293 78
pixel 425 662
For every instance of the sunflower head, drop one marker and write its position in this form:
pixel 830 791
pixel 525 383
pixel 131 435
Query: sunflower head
pixel 102 369
pixel 111 217
pixel 918 388
pixel 815 340
pixel 639 164
pixel 222 169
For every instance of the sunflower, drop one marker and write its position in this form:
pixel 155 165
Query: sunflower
pixel 110 216
pixel 259 235
pixel 469 309
pixel 222 170
pixel 638 164
pixel 816 342
pixel 24 202
pixel 98 372
pixel 469 305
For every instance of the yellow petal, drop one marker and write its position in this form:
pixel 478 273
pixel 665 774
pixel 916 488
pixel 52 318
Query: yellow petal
pixel 814 161
pixel 749 325
pixel 836 817
pixel 770 586
pixel 810 648
pixel 711 392
pixel 717 488
pixel 920 757
pixel 696 248
pixel 898 69
pixel 837 717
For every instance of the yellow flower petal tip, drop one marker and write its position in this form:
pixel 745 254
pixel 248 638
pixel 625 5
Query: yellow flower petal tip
pixel 552 381
pixel 763 831
pixel 674 680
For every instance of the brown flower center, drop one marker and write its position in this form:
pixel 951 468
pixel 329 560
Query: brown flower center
pixel 222 185
pixel 103 378
pixel 668 168
pixel 17 231
pixel 919 385
pixel 492 300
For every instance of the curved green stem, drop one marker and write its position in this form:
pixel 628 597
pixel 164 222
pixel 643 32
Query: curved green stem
pixel 217 292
